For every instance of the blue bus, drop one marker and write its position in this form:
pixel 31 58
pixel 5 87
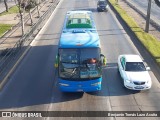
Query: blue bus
pixel 79 58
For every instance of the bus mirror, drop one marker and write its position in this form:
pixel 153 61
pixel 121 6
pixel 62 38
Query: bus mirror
pixel 103 60
pixel 56 62
pixel 55 65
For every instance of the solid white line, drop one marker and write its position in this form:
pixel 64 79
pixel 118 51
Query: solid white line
pixel 52 98
pixel 36 39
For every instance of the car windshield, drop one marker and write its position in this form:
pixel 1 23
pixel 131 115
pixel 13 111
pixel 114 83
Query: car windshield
pixel 102 3
pixel 79 63
pixel 135 66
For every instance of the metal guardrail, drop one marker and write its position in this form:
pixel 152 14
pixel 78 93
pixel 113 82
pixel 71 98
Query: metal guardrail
pixel 11 55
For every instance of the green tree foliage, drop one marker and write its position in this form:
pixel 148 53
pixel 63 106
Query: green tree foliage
pixel 157 2
pixel 31 4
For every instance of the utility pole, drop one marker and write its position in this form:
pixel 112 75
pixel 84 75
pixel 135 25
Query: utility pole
pixel 148 16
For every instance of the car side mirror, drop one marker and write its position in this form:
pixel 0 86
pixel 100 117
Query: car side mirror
pixel 148 68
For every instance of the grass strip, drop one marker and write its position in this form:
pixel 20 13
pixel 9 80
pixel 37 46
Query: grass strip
pixel 151 43
pixel 4 28
pixel 11 10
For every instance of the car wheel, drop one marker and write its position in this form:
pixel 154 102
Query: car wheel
pixel 120 74
pixel 118 71
pixel 123 84
pixel 94 92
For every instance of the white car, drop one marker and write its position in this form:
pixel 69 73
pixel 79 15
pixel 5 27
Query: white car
pixel 134 73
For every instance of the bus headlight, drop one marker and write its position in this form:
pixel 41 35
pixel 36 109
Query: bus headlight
pixel 95 84
pixel 62 84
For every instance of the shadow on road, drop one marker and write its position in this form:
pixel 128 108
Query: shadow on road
pixel 34 81
pixel 112 84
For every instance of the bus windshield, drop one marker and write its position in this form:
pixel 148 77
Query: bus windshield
pixel 78 64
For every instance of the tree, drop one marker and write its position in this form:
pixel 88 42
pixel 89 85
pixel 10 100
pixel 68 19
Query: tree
pixel 21 4
pixel 26 5
pixel 148 15
pixel 31 4
pixel 6 5
pixel 38 8
pixel 157 2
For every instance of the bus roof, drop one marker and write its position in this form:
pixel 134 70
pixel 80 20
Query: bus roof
pixel 79 19
pixel 79 37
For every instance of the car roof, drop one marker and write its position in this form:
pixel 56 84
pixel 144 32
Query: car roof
pixel 133 58
pixel 102 1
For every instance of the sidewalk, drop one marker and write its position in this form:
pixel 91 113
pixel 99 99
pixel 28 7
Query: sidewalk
pixel 9 41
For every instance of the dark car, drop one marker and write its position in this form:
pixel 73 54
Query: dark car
pixel 102 5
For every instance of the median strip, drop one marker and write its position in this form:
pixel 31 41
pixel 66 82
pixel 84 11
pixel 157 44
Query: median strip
pixel 151 43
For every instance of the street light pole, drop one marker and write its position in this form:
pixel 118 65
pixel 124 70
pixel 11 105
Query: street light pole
pixel 148 16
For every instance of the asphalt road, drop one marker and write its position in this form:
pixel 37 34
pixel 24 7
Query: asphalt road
pixel 142 5
pixel 33 86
